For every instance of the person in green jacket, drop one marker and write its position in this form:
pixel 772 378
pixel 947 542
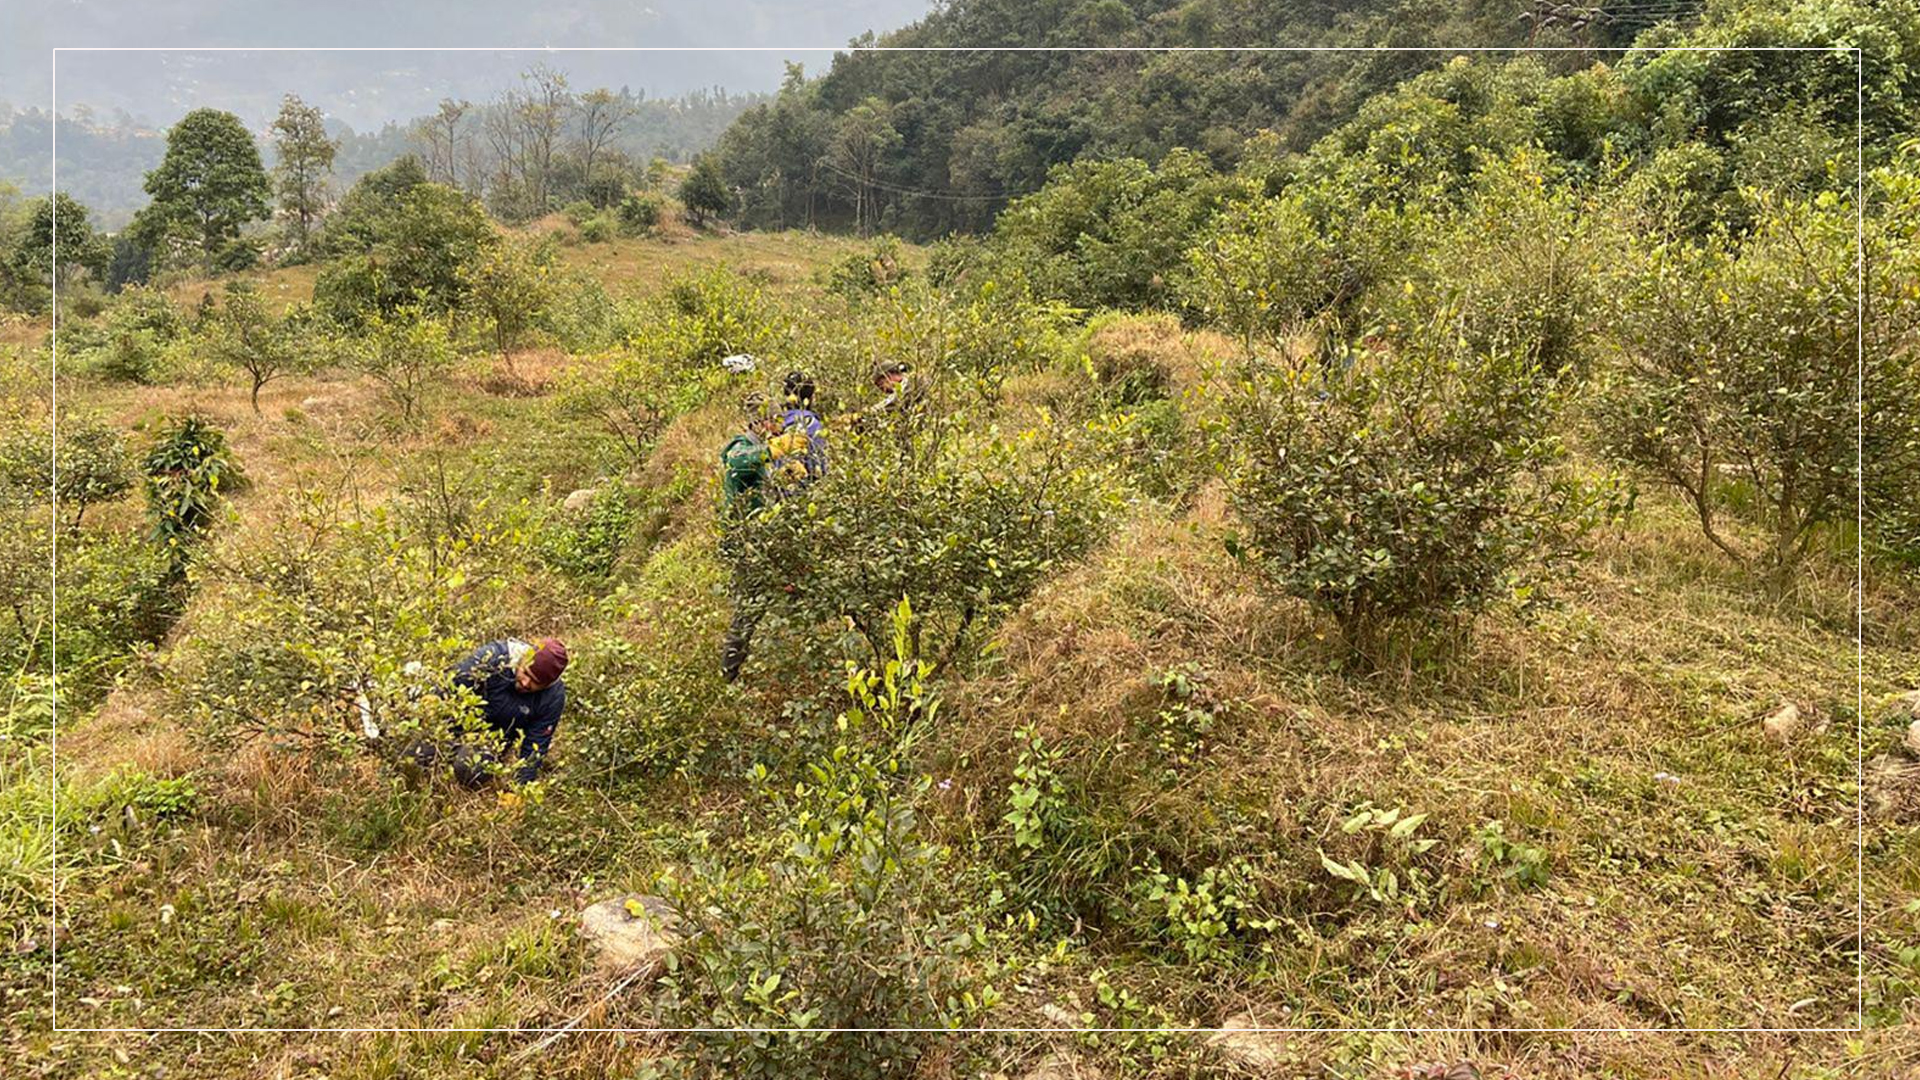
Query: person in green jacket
pixel 753 472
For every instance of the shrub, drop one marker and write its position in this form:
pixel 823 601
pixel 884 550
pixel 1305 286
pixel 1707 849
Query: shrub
pixel 186 470
pixel 639 214
pixel 89 458
pixel 839 917
pixel 245 335
pixel 418 248
pixel 91 467
pixel 507 286
pixel 1737 358
pixel 597 229
pixel 127 343
pixel 1417 487
pixel 710 314
pixel 1112 233
pixel 335 605
pixel 1890 423
pixel 632 394
pixel 704 192
pixel 982 333
pixel 967 527
pixel 116 593
pixel 867 272
pixel 580 211
pixel 409 354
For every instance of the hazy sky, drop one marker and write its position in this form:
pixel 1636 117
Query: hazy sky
pixel 365 88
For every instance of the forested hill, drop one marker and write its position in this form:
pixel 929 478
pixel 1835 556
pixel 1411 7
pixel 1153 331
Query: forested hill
pixel 923 143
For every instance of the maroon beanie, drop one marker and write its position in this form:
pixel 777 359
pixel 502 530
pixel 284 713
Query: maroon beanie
pixel 549 660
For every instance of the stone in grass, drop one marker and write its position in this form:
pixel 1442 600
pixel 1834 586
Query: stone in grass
pixel 630 933
pixel 1913 738
pixel 1239 1040
pixel 1908 704
pixel 580 500
pixel 1783 723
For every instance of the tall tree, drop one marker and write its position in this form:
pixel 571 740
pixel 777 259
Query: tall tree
pixel 445 134
pixel 209 184
pixel 306 161
pixel 31 266
pixel 704 191
pixel 865 136
pixel 601 114
pixel 542 116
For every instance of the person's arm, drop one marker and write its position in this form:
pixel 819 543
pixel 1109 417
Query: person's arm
pixel 539 736
pixel 480 665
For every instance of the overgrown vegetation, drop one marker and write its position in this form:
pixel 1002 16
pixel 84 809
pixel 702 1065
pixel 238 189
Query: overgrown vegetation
pixel 1333 577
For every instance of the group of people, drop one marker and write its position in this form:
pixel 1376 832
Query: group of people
pixel 781 452
pixel 783 449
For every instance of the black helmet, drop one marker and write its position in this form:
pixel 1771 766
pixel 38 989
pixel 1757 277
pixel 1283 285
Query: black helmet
pixel 799 389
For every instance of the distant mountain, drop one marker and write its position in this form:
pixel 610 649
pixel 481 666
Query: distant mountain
pixel 104 159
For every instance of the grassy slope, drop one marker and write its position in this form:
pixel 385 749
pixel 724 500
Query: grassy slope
pixel 1721 897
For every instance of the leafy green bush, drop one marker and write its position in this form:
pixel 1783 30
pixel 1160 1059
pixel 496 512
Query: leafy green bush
pixel 419 245
pixel 638 214
pixel 965 525
pixel 409 354
pixel 597 229
pixel 1414 487
pixel 709 314
pixel 116 593
pixel 1890 423
pixel 245 335
pixel 1112 233
pixel 841 916
pixel 1735 359
pixel 336 605
pixel 864 273
pixel 507 288
pixel 580 211
pixel 979 333
pixel 1209 917
pixel 186 470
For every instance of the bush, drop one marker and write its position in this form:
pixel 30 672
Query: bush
pixel 1890 422
pixel 507 287
pixel 839 917
pixel 245 335
pixel 597 229
pixel 706 315
pixel 1736 359
pixel 1416 487
pixel 639 214
pixel 91 465
pixel 417 250
pixel 966 526
pixel 867 272
pixel 186 470
pixel 580 211
pixel 1112 233
pixel 333 605
pixel 409 354
pixel 116 592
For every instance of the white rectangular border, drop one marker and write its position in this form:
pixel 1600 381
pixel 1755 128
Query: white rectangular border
pixel 1859 548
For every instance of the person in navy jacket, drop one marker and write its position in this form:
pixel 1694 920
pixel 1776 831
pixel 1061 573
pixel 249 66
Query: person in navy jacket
pixel 521 695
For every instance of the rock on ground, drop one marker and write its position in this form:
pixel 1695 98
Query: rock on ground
pixel 580 500
pixel 1238 1041
pixel 626 941
pixel 1783 723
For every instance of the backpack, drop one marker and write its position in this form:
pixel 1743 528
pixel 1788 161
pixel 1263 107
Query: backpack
pixel 743 469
